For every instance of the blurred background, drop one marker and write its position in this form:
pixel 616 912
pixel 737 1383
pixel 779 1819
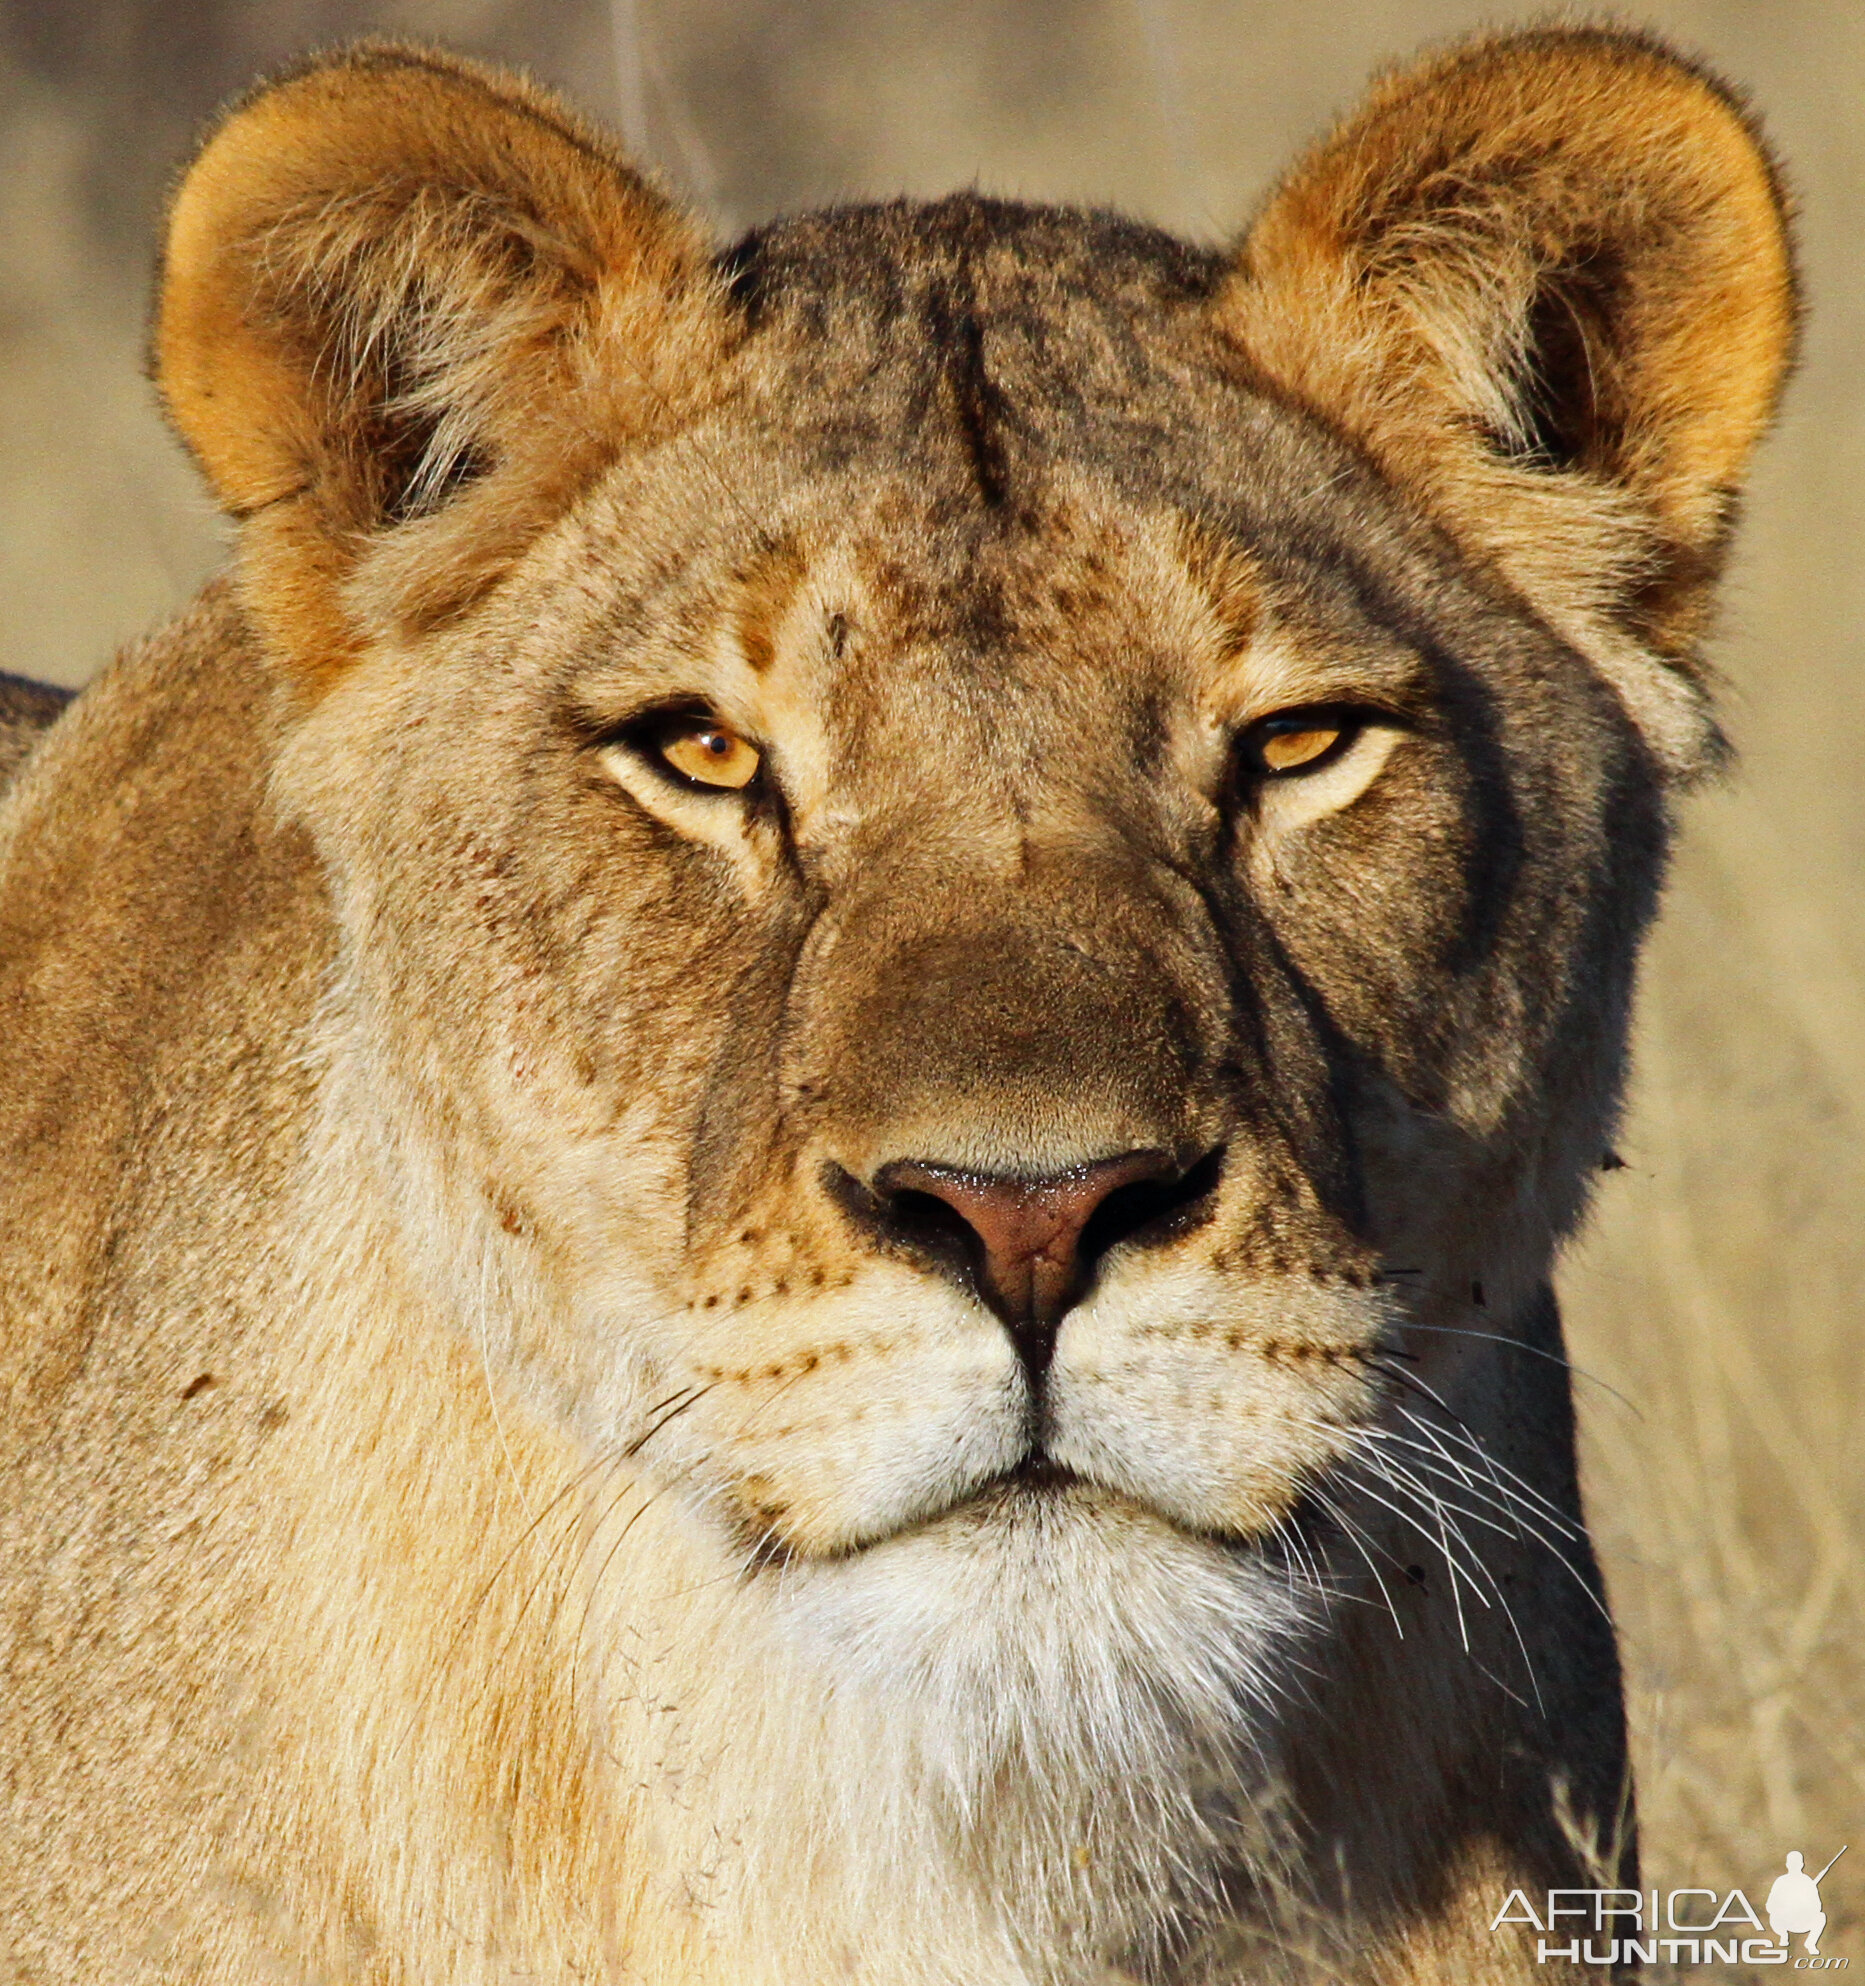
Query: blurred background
pixel 1716 1299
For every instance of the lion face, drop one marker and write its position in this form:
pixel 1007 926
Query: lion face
pixel 1000 951
pixel 985 861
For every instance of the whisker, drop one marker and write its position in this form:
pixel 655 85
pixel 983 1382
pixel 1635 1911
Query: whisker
pixel 593 1587
pixel 1533 1351
pixel 690 1398
pixel 1476 1564
pixel 1498 1495
pixel 1535 1500
pixel 1497 1470
pixel 1443 1543
pixel 1357 1538
pixel 471 1611
pixel 1460 1431
pixel 1465 1564
pixel 667 1410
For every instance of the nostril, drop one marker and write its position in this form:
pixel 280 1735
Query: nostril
pixel 931 1226
pixel 1028 1229
pixel 1026 1244
pixel 921 1226
pixel 1153 1210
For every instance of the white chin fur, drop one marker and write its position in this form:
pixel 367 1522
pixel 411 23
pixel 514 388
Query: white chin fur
pixel 1032 1734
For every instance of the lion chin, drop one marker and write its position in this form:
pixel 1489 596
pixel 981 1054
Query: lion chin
pixel 1045 1715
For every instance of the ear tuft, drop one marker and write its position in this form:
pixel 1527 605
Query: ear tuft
pixel 1545 281
pixel 409 305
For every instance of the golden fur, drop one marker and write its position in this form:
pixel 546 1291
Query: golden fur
pixel 503 1480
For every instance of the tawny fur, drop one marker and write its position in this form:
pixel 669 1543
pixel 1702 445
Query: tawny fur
pixel 495 1486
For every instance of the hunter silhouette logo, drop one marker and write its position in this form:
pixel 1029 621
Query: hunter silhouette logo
pixel 1680 1927
pixel 1794 1903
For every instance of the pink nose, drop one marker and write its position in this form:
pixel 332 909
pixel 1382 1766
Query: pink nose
pixel 1029 1231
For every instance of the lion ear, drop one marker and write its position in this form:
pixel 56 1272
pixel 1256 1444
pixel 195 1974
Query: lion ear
pixel 1545 281
pixel 408 306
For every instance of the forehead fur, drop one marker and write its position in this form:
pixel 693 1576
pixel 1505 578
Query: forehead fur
pixel 961 315
pixel 907 270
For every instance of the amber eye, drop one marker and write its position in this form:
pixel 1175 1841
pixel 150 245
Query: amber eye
pixel 707 753
pixel 1298 741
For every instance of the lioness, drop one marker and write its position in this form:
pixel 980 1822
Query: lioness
pixel 785 1122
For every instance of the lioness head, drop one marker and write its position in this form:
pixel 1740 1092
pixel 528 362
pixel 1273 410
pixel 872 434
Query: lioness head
pixel 988 866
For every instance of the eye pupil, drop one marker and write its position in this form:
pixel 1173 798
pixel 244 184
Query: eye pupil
pixel 707 754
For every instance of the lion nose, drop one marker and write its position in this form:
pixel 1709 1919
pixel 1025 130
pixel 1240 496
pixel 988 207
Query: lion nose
pixel 1026 1235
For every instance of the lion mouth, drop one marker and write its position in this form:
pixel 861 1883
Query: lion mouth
pixel 1036 1473
pixel 1037 1489
pixel 1030 1488
pixel 1034 1481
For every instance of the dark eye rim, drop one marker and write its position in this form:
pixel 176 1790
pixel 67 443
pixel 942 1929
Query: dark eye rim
pixel 1351 720
pixel 645 737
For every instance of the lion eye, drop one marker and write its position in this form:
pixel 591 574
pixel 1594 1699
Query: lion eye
pixel 1298 741
pixel 708 753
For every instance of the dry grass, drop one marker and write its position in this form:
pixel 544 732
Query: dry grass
pixel 1718 1296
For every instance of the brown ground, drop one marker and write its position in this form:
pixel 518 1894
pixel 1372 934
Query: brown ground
pixel 1716 1299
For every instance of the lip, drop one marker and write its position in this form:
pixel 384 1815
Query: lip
pixel 1034 1486
pixel 1037 1474
pixel 1032 1489
pixel 1038 1485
